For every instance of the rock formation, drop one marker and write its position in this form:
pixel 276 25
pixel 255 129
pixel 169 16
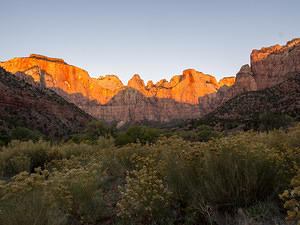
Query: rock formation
pixel 183 88
pixel 269 66
pixel 25 103
pixel 53 72
pixel 189 95
pixel 253 110
pixel 228 81
pixel 275 64
pixel 107 98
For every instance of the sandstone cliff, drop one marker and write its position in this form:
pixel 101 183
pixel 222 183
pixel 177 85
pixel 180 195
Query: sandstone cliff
pixel 256 109
pixel 190 95
pixel 187 87
pixel 107 98
pixel 52 72
pixel 269 66
pixel 275 64
pixel 25 103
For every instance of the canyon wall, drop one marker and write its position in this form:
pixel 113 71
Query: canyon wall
pixel 269 66
pixel 189 95
pixel 107 98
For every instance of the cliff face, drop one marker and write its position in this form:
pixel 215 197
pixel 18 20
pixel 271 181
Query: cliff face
pixel 275 64
pixel 25 103
pixel 132 105
pixel 107 98
pixel 53 72
pixel 250 110
pixel 187 87
pixel 269 66
pixel 189 95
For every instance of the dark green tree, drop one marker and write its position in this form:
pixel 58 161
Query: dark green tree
pixel 24 134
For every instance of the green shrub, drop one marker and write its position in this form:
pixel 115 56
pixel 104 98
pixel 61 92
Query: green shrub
pixel 205 133
pixel 238 172
pixel 24 134
pixel 4 139
pixel 25 156
pixel 270 121
pixel 202 133
pixel 134 134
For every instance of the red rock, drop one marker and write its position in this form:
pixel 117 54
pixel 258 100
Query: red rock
pixel 192 90
pixel 275 64
pixel 25 103
pixel 229 81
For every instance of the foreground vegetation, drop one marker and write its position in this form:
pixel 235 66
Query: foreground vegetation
pixel 246 178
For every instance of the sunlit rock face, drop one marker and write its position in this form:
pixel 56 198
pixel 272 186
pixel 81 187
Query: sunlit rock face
pixel 269 66
pixel 107 98
pixel 24 102
pixel 187 87
pixel 111 82
pixel 244 82
pixel 228 81
pixel 132 105
pixel 189 95
pixel 275 64
pixel 54 72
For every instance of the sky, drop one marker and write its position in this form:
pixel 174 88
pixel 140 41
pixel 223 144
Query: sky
pixel 153 38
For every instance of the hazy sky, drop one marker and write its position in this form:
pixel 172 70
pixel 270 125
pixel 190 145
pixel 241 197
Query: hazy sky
pixel 154 38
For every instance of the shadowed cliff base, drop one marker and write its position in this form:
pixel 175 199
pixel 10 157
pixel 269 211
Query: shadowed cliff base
pixel 130 105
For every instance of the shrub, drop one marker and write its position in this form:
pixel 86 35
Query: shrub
pixel 25 156
pixel 32 199
pixel 145 197
pixel 292 200
pixel 202 133
pixel 4 139
pixel 238 172
pixel 134 134
pixel 66 196
pixel 205 133
pixel 270 121
pixel 24 134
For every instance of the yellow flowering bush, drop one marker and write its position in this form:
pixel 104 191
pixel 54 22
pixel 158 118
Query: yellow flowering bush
pixel 33 199
pixel 292 200
pixel 74 193
pixel 145 197
pixel 171 181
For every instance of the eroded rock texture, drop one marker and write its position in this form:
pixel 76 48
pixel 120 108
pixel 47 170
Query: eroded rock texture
pixel 189 95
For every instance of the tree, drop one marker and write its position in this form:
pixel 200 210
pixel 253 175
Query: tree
pixel 142 134
pixel 24 134
pixel 205 133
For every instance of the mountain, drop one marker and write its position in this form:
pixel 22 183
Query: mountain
pixel 25 103
pixel 269 66
pixel 253 109
pixel 190 95
pixel 108 99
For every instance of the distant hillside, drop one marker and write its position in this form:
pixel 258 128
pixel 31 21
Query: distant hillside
pixel 24 103
pixel 252 109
